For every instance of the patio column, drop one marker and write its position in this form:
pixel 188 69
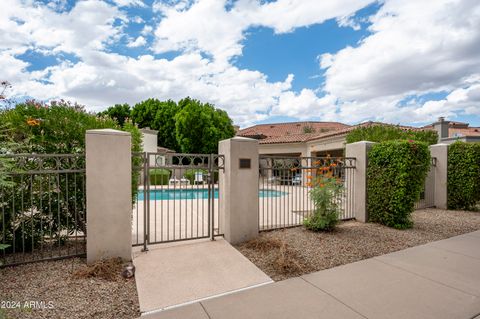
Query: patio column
pixel 359 151
pixel 109 194
pixel 238 192
pixel 440 153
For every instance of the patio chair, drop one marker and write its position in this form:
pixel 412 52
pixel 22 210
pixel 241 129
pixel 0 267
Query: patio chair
pixel 199 178
pixel 173 181
pixel 272 180
pixel 297 180
pixel 184 181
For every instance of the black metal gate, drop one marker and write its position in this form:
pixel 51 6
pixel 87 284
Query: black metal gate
pixel 427 196
pixel 286 183
pixel 178 198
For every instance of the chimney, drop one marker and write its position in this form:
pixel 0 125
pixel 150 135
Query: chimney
pixel 441 126
pixel 237 128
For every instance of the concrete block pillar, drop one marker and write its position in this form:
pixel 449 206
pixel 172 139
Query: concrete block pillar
pixel 440 153
pixel 238 189
pixel 359 151
pixel 109 194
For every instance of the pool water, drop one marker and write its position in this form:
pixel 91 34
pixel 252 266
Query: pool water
pixel 168 194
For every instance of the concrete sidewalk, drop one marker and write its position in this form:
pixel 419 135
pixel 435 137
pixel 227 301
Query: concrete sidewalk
pixel 436 280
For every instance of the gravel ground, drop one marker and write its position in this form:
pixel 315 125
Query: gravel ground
pixel 53 283
pixel 295 251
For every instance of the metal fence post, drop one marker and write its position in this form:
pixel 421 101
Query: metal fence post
pixel 146 200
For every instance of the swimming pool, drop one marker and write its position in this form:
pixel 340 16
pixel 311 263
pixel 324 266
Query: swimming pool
pixel 168 194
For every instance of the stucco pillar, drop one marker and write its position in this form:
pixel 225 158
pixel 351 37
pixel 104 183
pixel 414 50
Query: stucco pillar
pixel 359 151
pixel 109 194
pixel 440 153
pixel 238 192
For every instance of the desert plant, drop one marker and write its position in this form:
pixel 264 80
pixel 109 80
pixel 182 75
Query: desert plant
pixel 325 192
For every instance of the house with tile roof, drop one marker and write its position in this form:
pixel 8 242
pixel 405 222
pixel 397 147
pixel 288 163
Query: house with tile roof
pixel 452 131
pixel 313 138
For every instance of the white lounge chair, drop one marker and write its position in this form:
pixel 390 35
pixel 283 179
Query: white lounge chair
pixel 173 181
pixel 272 180
pixel 199 178
pixel 184 181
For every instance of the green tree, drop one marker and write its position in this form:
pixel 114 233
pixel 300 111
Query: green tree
pixel 199 127
pixel 382 133
pixel 158 115
pixel 143 113
pixel 119 112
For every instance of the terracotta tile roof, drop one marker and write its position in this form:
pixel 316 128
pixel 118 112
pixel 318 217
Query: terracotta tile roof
pixel 294 128
pixel 316 136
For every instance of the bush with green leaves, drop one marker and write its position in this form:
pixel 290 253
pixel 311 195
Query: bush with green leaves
pixel 159 176
pixel 395 178
pixel 382 133
pixel 55 128
pixel 463 181
pixel 325 193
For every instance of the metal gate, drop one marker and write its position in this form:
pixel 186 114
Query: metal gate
pixel 178 197
pixel 427 196
pixel 285 187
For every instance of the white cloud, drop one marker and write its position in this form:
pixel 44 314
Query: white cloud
pixel 138 42
pixel 208 26
pixel 415 48
pixel 147 30
pixel 138 20
pixel 130 3
pixel 88 26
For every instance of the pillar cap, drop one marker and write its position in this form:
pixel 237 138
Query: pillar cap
pixel 107 131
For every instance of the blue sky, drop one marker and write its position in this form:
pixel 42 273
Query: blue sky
pixel 262 61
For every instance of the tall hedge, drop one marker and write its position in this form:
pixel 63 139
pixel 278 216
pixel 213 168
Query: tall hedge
pixel 396 175
pixel 463 181
pixel 384 132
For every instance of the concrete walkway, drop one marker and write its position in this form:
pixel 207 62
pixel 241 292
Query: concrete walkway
pixel 169 275
pixel 436 280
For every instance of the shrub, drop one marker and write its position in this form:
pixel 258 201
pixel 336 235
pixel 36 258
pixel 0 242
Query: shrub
pixel 159 176
pixel 463 181
pixel 325 193
pixel 383 133
pixel 58 127
pixel 395 177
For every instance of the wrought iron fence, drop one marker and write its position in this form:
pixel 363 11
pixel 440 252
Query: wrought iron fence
pixel 285 188
pixel 178 198
pixel 427 196
pixel 43 208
